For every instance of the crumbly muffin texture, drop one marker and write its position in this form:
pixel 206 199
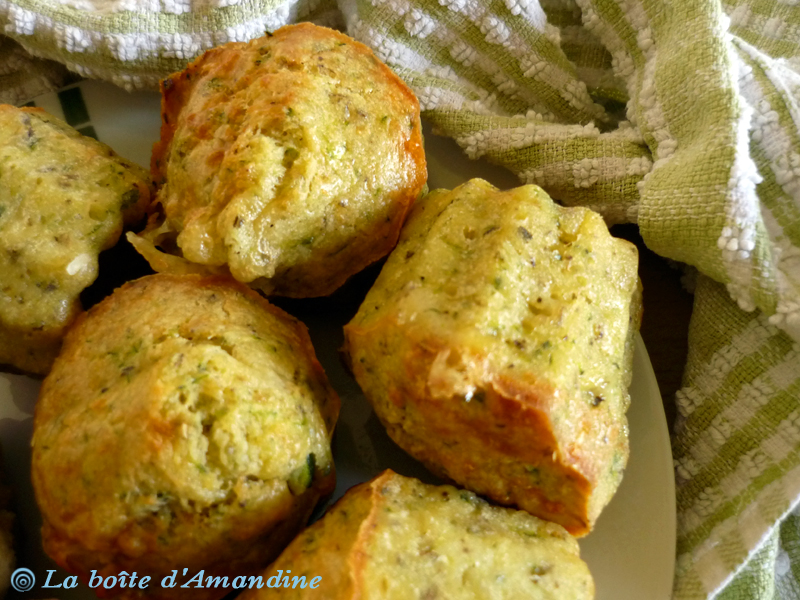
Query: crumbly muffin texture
pixel 290 161
pixel 395 538
pixel 64 198
pixel 496 347
pixel 186 424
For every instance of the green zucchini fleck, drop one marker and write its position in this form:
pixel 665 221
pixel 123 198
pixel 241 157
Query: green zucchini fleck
pixel 130 198
pixel 301 478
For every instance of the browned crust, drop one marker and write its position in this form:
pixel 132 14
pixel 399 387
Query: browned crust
pixel 269 545
pixel 341 547
pixel 37 110
pixel 75 335
pixel 179 87
pixel 30 109
pixel 35 351
pixel 176 88
pixel 359 556
pixel 512 428
pixel 274 529
pixel 333 548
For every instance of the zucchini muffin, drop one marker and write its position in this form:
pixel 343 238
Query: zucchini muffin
pixel 185 425
pixel 395 538
pixel 496 347
pixel 290 162
pixel 64 198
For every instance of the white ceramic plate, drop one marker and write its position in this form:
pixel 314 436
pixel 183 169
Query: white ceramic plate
pixel 631 551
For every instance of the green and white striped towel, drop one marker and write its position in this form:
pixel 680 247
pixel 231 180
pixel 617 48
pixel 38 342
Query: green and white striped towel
pixel 680 115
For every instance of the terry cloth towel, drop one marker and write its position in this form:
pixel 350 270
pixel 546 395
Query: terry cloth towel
pixel 680 115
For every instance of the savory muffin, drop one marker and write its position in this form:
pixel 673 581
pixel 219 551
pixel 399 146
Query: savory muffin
pixel 63 198
pixel 496 347
pixel 289 161
pixel 395 538
pixel 185 425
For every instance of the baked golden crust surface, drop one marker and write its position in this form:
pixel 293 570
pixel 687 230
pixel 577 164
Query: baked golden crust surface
pixel 63 198
pixel 186 424
pixel 496 347
pixel 395 538
pixel 290 161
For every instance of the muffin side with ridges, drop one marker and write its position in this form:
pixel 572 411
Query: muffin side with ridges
pixel 495 346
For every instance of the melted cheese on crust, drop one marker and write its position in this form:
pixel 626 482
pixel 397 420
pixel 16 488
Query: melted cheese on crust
pixel 290 161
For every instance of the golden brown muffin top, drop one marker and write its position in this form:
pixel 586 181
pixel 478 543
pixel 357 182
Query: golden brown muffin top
pixel 277 153
pixel 181 412
pixel 394 538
